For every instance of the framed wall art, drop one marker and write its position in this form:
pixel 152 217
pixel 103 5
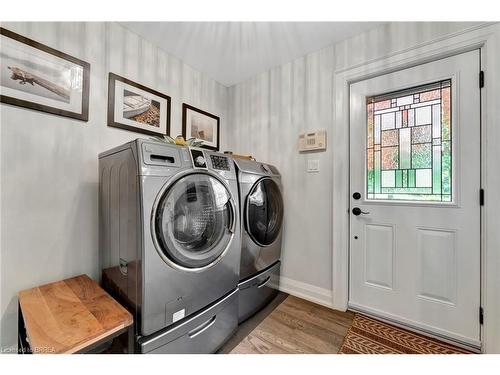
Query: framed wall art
pixel 134 107
pixel 36 76
pixel 201 125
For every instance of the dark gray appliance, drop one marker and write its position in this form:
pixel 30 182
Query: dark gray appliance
pixel 261 207
pixel 170 243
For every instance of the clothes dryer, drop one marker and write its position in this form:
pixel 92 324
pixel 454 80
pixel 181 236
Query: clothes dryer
pixel 261 207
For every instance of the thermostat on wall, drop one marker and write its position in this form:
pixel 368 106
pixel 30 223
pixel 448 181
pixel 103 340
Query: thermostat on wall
pixel 312 141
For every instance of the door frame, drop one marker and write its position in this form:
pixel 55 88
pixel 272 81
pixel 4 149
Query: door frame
pixel 484 37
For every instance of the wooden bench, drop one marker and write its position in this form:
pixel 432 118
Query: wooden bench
pixel 70 316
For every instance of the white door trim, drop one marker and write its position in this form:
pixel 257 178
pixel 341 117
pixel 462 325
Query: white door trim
pixel 487 38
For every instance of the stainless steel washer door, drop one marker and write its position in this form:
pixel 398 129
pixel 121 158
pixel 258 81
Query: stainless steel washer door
pixel 264 212
pixel 194 222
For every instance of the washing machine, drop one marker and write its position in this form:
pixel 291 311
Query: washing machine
pixel 170 243
pixel 261 207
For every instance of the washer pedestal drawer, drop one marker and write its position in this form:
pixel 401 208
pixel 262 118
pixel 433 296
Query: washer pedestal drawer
pixel 258 291
pixel 203 332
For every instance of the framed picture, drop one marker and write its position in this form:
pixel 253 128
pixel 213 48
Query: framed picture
pixel 36 76
pixel 201 125
pixel 134 107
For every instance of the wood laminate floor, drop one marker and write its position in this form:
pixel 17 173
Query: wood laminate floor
pixel 291 325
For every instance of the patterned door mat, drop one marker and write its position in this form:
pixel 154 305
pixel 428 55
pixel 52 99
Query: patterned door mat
pixel 370 336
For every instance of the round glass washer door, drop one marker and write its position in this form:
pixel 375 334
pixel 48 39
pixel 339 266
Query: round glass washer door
pixel 264 212
pixel 194 222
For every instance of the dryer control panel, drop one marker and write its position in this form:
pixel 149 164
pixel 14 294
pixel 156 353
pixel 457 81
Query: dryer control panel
pixel 220 162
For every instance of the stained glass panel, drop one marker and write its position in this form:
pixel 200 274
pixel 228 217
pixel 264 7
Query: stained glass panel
pixel 421 134
pixel 421 156
pixel 389 158
pixel 409 144
pixel 390 138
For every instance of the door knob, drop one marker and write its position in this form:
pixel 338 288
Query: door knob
pixel 357 211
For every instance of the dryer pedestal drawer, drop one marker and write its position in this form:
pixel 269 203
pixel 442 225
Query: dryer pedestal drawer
pixel 258 291
pixel 204 332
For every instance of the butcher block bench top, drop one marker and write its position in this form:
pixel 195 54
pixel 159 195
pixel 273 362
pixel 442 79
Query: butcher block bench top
pixel 70 315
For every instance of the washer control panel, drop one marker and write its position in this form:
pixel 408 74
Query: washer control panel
pixel 220 162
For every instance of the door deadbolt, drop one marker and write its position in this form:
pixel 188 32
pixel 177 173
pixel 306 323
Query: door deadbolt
pixel 356 195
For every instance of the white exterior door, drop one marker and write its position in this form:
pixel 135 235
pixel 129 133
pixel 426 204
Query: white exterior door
pixel 415 222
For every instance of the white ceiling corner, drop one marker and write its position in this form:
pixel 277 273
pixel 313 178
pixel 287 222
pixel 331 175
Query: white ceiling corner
pixel 232 52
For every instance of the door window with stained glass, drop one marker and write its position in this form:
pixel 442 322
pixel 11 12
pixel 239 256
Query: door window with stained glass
pixel 409 144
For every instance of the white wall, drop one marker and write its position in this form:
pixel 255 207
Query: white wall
pixel 269 111
pixel 49 179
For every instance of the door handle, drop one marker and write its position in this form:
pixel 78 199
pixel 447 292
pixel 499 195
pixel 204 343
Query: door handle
pixel 266 280
pixel 231 209
pixel 202 327
pixel 356 211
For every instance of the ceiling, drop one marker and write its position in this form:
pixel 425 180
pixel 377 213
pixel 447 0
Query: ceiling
pixel 231 52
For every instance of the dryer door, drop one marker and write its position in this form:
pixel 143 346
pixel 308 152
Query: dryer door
pixel 194 222
pixel 264 212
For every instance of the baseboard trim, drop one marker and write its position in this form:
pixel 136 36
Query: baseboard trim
pixel 309 292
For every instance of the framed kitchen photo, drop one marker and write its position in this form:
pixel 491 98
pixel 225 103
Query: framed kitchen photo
pixel 134 107
pixel 36 76
pixel 201 125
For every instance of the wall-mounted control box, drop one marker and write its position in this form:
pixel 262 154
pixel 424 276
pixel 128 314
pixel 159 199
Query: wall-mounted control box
pixel 312 141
